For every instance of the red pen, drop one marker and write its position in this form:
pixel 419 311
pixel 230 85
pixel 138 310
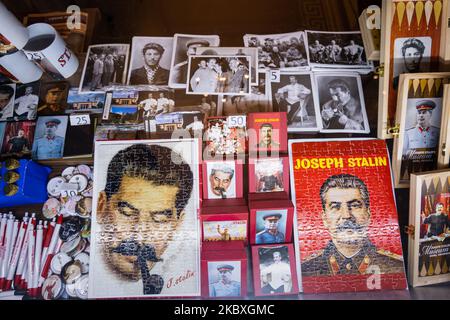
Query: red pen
pixel 31 252
pixel 52 249
pixel 46 267
pixel 37 260
pixel 5 249
pixel 15 255
pixel 18 280
pixel 47 238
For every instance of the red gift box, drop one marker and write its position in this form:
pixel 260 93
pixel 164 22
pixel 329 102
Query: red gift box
pixel 271 221
pixel 222 178
pixel 224 223
pixel 267 131
pixel 269 176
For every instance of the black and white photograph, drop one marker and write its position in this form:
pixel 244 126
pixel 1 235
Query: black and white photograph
pixel 259 100
pixel 7 92
pixel 105 65
pixel 336 50
pixel 208 105
pixel 185 45
pixel 26 101
pixel 284 51
pixel 275 270
pixel 219 75
pixel 411 55
pixel 150 61
pixel 295 94
pixel 235 51
pixel 193 121
pixel 341 101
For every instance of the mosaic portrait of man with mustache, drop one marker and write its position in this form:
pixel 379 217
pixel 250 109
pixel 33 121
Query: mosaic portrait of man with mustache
pixel 346 216
pixel 139 216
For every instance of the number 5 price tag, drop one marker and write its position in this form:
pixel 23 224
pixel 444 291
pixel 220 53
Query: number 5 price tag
pixel 80 120
pixel 274 75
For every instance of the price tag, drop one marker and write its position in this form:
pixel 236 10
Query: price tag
pixel 274 75
pixel 34 55
pixel 69 190
pixel 80 120
pixel 236 121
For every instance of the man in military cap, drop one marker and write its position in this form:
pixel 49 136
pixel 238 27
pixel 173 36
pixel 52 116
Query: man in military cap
pixel 423 135
pixel 225 287
pixel 270 234
pixel 50 146
pixel 179 71
pixel 151 72
pixel 54 100
pixel 438 221
pixel 346 216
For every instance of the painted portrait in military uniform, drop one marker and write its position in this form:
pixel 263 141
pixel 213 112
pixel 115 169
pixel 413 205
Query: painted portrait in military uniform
pixel 346 216
pixel 145 231
pixel 421 136
pixel 224 278
pixel 346 226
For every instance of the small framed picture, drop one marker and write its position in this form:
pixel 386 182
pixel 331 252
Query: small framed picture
pixel 428 256
pixel 341 100
pixel 185 45
pixel 339 50
pixel 85 102
pixel 150 61
pixel 222 179
pixel 219 75
pixel 105 65
pixel 53 98
pixel 419 115
pixel 227 222
pixel 26 101
pixel 226 135
pixel 296 95
pixel 267 132
pixel 49 138
pixel 268 175
pixel 18 138
pixel 237 52
pixel 7 92
pixel 271 221
pixel 284 51
pixel 224 271
pixel 274 270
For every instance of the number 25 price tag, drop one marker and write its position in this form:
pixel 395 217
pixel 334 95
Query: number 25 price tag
pixel 80 120
pixel 274 75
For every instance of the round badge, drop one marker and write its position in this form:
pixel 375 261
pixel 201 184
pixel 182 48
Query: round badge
pixel 86 231
pixel 80 248
pixel 54 186
pixel 11 177
pixel 84 169
pixel 52 288
pixel 59 261
pixel 68 173
pixel 71 245
pixel 89 190
pixel 70 205
pixel 82 286
pixel 83 258
pixel 51 208
pixel 10 190
pixel 81 181
pixel 70 228
pixel 12 164
pixel 70 289
pixel 71 272
pixel 84 207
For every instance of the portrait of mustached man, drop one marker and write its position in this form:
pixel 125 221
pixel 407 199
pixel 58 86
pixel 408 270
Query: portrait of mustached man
pixel 143 247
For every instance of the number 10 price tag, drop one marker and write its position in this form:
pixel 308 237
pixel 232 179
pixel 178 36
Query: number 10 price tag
pixel 80 120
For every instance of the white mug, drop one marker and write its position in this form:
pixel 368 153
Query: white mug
pixel 20 67
pixel 12 29
pixel 46 46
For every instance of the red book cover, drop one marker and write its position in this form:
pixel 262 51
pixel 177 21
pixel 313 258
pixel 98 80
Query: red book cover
pixel 346 226
pixel 267 132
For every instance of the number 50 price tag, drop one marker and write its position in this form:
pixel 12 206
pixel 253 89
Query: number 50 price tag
pixel 80 120
pixel 236 121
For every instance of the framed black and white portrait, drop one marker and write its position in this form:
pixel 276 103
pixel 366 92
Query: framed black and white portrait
pixel 183 46
pixel 341 101
pixel 219 75
pixel 285 51
pixel 105 65
pixel 336 50
pixel 295 94
pixel 150 61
